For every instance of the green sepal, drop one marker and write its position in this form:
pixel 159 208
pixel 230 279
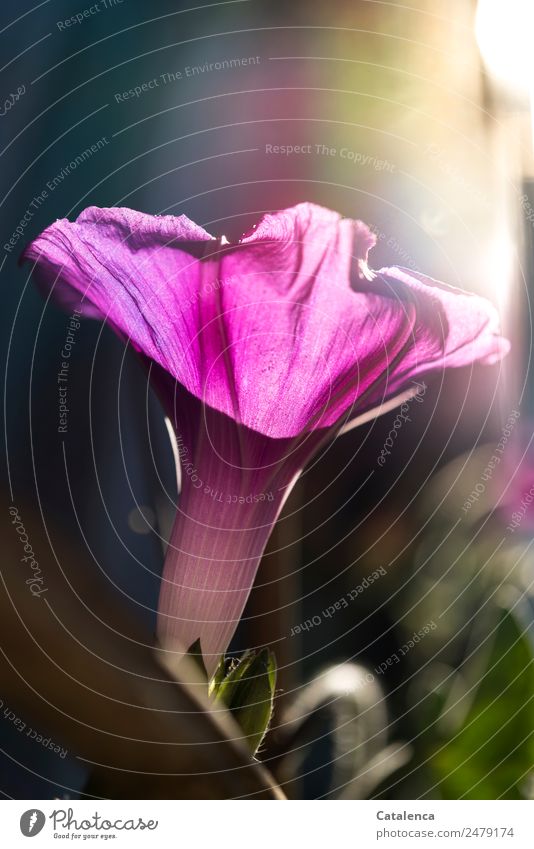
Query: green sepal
pixel 247 688
pixel 195 653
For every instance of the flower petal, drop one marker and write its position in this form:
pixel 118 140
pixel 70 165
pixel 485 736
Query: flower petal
pixel 234 483
pixel 286 331
pixel 258 349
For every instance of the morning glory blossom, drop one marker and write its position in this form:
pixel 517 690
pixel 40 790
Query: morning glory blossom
pixel 260 351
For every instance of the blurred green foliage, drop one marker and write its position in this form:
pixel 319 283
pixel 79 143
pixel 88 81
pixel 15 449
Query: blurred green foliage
pixel 492 752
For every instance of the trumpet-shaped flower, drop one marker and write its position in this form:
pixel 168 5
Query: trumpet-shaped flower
pixel 259 351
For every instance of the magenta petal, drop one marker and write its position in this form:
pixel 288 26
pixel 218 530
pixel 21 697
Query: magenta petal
pixel 448 328
pixel 209 570
pixel 203 600
pixel 285 331
pixel 234 483
pixel 130 269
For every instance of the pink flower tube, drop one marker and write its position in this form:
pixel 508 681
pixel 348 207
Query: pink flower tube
pixel 259 351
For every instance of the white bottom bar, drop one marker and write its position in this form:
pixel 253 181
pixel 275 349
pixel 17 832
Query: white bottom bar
pixel 262 825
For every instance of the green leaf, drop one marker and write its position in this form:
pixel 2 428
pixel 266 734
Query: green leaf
pixel 492 751
pixel 234 670
pixel 247 689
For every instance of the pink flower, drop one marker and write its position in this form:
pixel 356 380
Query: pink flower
pixel 259 350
